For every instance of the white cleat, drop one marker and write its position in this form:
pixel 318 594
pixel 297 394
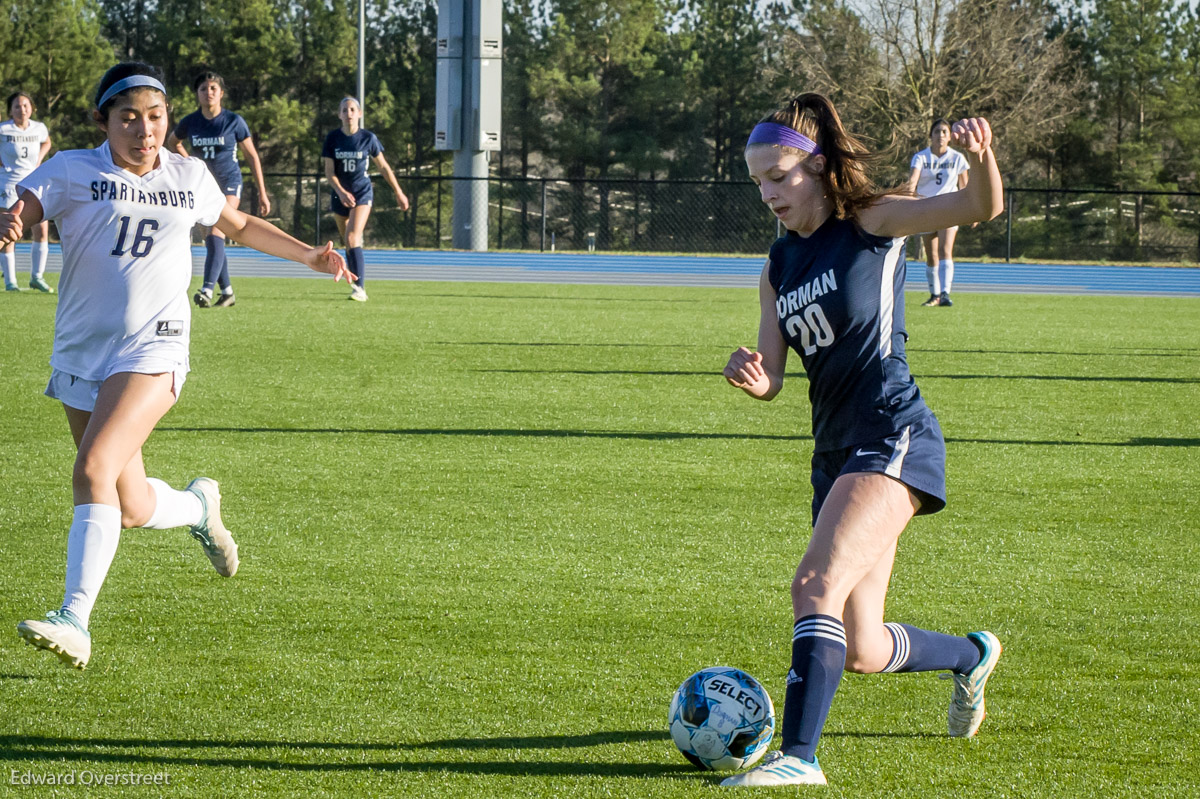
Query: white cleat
pixel 778 769
pixel 61 633
pixel 210 532
pixel 358 293
pixel 967 710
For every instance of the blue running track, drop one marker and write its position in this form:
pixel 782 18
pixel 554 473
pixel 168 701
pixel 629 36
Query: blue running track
pixel 697 270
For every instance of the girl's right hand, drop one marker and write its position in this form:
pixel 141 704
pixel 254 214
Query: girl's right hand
pixel 347 199
pixel 745 371
pixel 972 134
pixel 11 227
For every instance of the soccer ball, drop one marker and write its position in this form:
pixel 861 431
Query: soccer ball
pixel 722 718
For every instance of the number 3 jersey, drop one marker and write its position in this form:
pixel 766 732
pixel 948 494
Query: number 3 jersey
pixel 127 258
pixel 20 148
pixel 840 305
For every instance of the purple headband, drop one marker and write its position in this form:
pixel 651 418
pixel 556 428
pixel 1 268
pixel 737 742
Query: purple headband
pixel 782 135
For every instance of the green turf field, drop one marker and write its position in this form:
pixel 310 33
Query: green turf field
pixel 486 530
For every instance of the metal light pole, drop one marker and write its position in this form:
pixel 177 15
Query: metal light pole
pixel 469 51
pixel 362 53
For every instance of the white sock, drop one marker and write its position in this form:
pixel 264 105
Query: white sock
pixel 173 508
pixel 10 268
pixel 931 277
pixel 227 291
pixel 91 545
pixel 946 273
pixel 41 251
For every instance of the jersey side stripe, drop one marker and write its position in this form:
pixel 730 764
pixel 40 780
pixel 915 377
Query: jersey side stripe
pixel 887 296
pixel 897 460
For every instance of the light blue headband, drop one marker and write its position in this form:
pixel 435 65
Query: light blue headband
pixel 133 81
pixel 782 135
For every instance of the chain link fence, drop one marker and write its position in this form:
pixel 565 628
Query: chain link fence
pixel 545 214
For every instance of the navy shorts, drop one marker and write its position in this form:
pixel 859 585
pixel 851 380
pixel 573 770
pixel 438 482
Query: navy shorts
pixel 915 455
pixel 363 197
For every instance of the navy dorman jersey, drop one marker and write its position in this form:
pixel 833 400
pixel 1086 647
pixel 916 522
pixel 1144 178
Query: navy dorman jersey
pixel 215 142
pixel 351 156
pixel 840 304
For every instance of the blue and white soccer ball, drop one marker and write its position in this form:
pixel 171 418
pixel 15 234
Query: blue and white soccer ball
pixel 722 718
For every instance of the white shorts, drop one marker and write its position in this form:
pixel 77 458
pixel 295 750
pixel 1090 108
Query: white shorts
pixel 75 392
pixel 9 189
pixel 935 232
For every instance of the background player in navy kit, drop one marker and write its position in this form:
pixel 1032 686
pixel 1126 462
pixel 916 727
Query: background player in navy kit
pixel 832 290
pixel 938 170
pixel 214 134
pixel 126 210
pixel 346 153
pixel 24 142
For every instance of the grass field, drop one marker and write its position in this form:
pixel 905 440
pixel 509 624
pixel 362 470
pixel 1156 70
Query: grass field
pixel 486 530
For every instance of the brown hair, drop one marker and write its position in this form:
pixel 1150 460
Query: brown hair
pixel 199 80
pixel 13 97
pixel 846 158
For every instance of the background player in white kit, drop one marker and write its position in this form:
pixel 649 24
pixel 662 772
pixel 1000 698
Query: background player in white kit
pixel 24 142
pixel 125 211
pixel 938 169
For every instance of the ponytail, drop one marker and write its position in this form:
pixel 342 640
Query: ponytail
pixel 847 159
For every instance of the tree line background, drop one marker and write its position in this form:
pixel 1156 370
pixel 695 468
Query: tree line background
pixel 1081 93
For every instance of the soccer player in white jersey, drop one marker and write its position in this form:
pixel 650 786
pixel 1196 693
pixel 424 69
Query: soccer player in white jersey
pixel 24 142
pixel 125 211
pixel 936 170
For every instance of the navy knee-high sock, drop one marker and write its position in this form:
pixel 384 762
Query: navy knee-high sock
pixel 214 256
pixel 818 659
pixel 223 260
pixel 914 649
pixel 354 261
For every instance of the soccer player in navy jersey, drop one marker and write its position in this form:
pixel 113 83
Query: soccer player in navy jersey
pixel 832 290
pixel 214 134
pixel 346 153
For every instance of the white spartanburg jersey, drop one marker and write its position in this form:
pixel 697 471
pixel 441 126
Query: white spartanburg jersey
pixel 938 174
pixel 127 258
pixel 19 149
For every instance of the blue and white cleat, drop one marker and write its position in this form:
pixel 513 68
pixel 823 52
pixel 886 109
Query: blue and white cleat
pixel 61 633
pixel 778 769
pixel 40 285
pixel 210 532
pixel 966 706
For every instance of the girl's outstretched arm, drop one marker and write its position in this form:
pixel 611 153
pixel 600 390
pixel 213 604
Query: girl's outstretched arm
pixel 265 237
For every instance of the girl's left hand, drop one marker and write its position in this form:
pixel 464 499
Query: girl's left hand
pixel 973 134
pixel 330 261
pixel 402 201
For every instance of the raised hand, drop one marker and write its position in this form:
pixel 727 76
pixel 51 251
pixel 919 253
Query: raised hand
pixel 973 134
